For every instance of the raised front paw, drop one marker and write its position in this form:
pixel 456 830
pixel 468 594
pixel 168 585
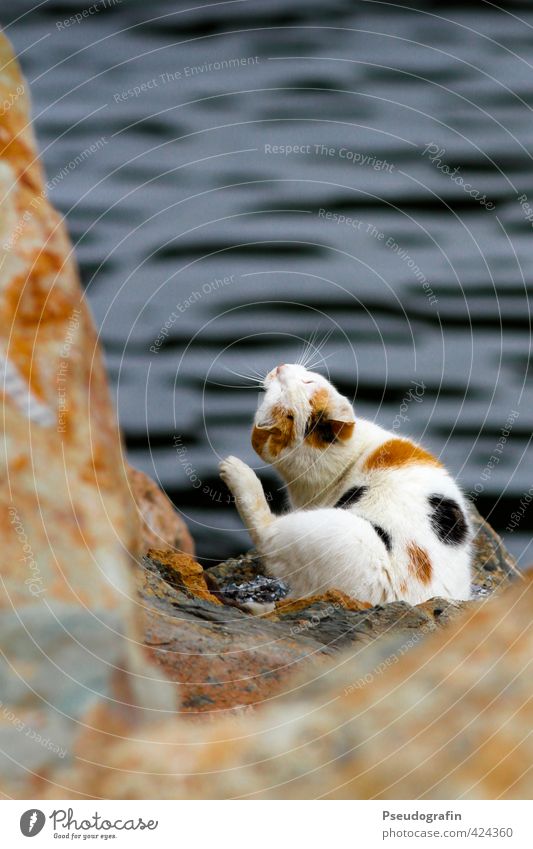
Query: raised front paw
pixel 240 479
pixel 248 495
pixel 235 473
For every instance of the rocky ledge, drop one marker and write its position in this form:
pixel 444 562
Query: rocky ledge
pixel 199 627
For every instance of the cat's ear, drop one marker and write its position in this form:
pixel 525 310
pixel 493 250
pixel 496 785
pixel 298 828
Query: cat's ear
pixel 342 429
pixel 333 423
pixel 261 432
pixel 278 431
pixel 342 419
pixel 260 436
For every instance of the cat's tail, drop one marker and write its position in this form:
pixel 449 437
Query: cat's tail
pixel 249 496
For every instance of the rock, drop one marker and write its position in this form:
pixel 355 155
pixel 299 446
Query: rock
pixel 302 630
pixel 182 572
pixel 209 648
pixel 451 718
pixel 289 607
pixel 161 526
pixel 261 590
pixel 68 626
pixel 494 567
pixel 222 657
pixel 235 570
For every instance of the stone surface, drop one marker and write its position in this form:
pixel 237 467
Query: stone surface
pixel 161 526
pixel 182 573
pixel 450 718
pixel 69 630
pixel 222 657
pixel 494 567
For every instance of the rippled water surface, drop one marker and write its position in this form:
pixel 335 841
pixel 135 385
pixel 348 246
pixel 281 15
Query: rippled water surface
pixel 260 171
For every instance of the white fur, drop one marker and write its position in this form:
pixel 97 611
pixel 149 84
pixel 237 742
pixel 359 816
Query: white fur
pixel 317 546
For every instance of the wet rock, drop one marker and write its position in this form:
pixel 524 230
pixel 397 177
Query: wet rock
pixel 161 526
pixel 236 570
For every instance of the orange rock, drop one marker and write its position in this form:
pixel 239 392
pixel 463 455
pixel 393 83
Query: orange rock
pixel 223 659
pixel 160 524
pixel 183 572
pixel 449 719
pixel 334 597
pixel 70 633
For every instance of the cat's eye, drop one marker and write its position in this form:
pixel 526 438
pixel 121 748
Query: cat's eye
pixel 309 381
pixel 290 417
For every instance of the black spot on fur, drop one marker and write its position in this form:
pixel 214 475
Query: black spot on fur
pixel 382 534
pixel 351 496
pixel 447 520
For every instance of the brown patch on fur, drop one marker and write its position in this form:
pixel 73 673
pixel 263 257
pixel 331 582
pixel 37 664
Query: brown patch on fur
pixel 259 438
pixel 319 401
pixel 279 436
pixel 419 563
pixel 322 429
pixel 342 430
pixel 282 434
pixel 398 452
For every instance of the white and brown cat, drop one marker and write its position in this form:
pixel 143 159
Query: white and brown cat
pixel 373 515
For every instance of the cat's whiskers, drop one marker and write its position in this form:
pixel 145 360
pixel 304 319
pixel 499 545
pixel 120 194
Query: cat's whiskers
pixel 314 349
pixel 257 379
pixel 320 360
pixel 232 385
pixel 307 348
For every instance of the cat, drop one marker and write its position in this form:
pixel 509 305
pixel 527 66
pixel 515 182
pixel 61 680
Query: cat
pixel 373 515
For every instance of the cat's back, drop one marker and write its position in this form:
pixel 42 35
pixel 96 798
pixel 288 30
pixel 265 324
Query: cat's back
pixel 418 510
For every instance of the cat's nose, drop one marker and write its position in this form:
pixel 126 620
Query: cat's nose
pixel 280 368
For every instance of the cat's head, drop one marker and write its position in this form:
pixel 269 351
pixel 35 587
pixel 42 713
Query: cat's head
pixel 300 411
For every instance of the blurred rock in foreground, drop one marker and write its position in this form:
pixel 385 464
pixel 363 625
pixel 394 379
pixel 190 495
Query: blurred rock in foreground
pixel 449 719
pixel 160 524
pixel 69 525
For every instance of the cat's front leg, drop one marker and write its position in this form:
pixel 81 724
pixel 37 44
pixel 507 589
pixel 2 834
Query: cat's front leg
pixel 247 490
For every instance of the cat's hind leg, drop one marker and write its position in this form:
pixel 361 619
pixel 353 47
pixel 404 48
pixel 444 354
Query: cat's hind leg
pixel 328 548
pixel 250 500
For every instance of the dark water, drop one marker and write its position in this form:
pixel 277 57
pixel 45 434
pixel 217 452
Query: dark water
pixel 187 214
